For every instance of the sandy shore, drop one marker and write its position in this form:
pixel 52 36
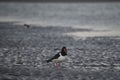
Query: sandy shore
pixel 23 52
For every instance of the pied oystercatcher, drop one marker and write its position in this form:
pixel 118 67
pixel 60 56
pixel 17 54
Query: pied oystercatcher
pixel 59 57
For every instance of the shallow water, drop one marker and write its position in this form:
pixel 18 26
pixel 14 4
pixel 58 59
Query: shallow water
pixel 85 34
pixel 23 52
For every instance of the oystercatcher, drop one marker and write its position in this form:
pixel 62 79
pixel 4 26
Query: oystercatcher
pixel 59 57
pixel 27 26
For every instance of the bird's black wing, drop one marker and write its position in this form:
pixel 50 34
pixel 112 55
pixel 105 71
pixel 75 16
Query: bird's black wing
pixel 54 57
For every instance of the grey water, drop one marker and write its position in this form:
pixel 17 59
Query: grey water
pixel 80 15
pixel 23 51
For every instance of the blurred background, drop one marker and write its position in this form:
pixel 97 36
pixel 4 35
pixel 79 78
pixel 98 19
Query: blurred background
pixel 92 14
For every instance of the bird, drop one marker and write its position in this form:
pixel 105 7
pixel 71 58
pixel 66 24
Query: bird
pixel 27 26
pixel 59 57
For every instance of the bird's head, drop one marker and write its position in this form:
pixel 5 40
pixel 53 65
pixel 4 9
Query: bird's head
pixel 64 51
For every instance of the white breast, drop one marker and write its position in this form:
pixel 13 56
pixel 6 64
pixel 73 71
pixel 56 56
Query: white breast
pixel 60 59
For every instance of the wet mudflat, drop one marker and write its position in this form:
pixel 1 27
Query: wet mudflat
pixel 23 52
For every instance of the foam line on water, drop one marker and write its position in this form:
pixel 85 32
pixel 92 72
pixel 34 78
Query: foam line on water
pixel 92 34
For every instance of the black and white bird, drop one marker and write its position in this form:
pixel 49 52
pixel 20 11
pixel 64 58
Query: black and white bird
pixel 27 26
pixel 59 57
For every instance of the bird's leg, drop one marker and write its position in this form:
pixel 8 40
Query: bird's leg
pixel 57 65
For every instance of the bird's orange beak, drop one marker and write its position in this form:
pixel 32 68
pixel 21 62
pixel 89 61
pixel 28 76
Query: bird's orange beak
pixel 65 50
